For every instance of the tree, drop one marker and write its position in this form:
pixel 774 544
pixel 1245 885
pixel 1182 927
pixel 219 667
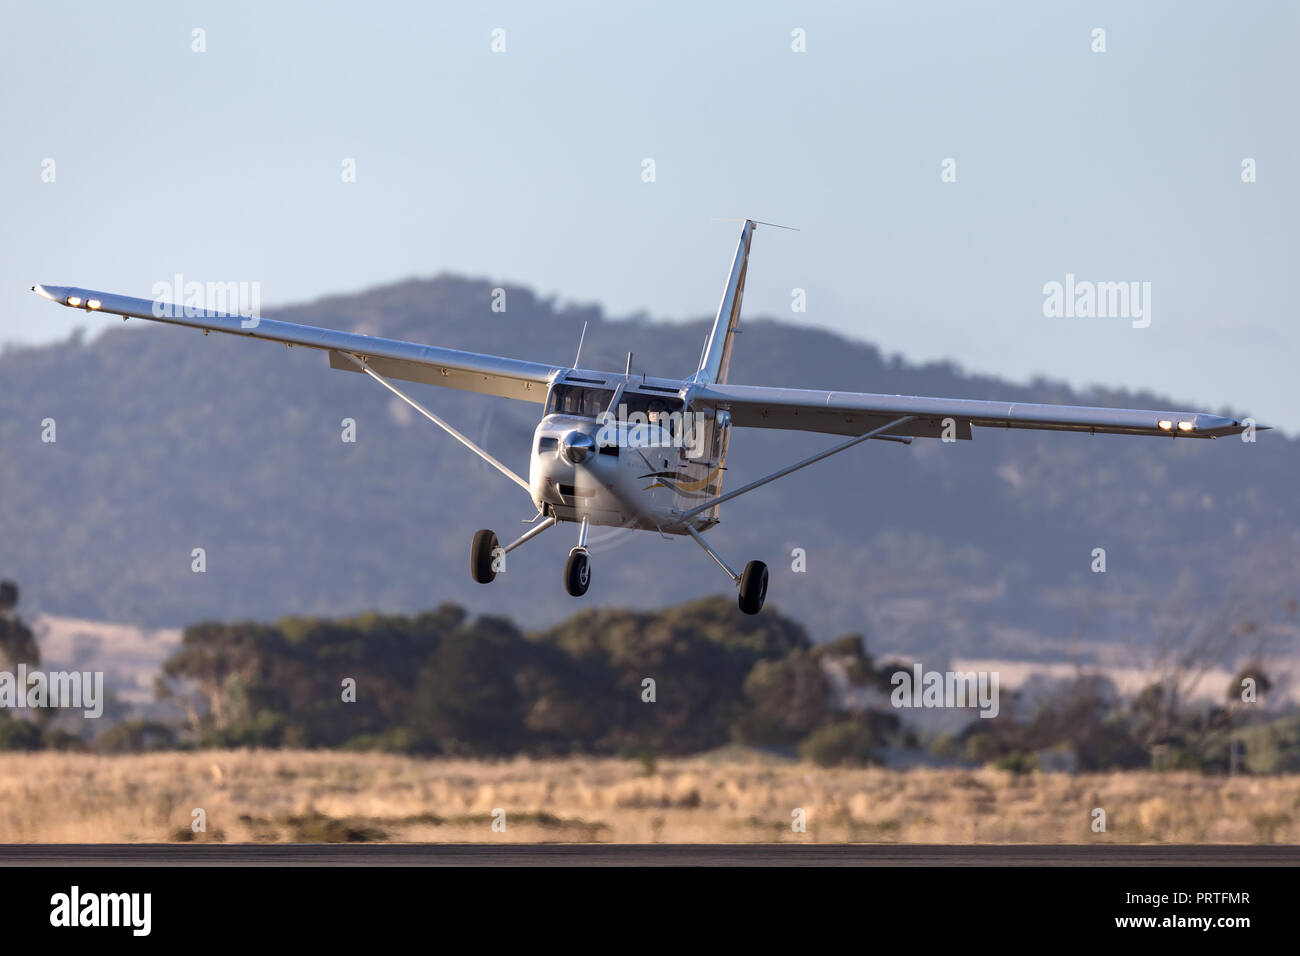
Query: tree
pixel 1237 686
pixel 468 699
pixel 787 698
pixel 223 660
pixel 850 741
pixel 17 642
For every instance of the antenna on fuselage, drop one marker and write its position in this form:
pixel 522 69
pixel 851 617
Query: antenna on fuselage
pixel 582 338
pixel 627 372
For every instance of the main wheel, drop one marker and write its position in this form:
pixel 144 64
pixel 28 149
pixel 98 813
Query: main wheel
pixel 481 557
pixel 753 587
pixel 577 573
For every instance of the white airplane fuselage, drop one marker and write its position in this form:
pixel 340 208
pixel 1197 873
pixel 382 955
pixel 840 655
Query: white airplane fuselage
pixel 631 474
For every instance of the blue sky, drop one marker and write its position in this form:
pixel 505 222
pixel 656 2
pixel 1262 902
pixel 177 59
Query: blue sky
pixel 526 166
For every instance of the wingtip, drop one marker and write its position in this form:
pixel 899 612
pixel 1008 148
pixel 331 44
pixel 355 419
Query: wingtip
pixel 1241 426
pixel 61 294
pixel 1245 424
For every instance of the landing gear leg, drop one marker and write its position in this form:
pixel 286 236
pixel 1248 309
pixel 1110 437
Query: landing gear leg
pixel 577 570
pixel 485 552
pixel 752 583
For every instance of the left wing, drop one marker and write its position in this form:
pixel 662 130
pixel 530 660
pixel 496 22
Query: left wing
pixel 468 371
pixel 856 413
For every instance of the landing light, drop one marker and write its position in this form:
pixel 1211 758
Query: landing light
pixel 93 303
pixel 1184 426
pixel 1165 424
pixel 74 300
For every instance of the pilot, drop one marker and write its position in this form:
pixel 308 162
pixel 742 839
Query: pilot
pixel 659 417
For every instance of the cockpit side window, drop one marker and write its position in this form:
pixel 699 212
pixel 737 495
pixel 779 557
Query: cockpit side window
pixel 658 409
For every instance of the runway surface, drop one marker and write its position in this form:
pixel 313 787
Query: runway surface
pixel 589 854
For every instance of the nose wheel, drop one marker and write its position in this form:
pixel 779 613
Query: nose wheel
pixel 577 572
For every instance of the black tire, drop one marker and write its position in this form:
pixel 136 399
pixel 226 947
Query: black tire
pixel 480 556
pixel 577 573
pixel 753 587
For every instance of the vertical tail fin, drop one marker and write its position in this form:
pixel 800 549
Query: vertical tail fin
pixel 715 360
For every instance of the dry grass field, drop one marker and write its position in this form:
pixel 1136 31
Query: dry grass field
pixel 301 796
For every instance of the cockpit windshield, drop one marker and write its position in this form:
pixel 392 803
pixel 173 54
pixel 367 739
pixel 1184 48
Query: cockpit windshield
pixel 578 400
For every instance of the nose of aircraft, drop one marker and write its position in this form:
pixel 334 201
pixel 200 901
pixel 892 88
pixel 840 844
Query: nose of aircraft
pixel 577 446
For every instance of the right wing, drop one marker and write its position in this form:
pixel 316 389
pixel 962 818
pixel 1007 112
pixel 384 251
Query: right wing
pixel 856 413
pixel 469 371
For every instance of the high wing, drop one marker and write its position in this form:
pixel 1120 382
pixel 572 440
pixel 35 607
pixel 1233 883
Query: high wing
pixel 840 413
pixel 855 413
pixel 469 371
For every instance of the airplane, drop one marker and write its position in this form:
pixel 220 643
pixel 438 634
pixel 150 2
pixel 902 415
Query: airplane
pixel 628 450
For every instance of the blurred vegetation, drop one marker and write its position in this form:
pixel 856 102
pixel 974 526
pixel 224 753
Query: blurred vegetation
pixel 641 684
pixel 638 684
pixel 1088 726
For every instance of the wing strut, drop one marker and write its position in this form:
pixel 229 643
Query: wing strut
pixel 735 578
pixel 842 446
pixel 439 422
